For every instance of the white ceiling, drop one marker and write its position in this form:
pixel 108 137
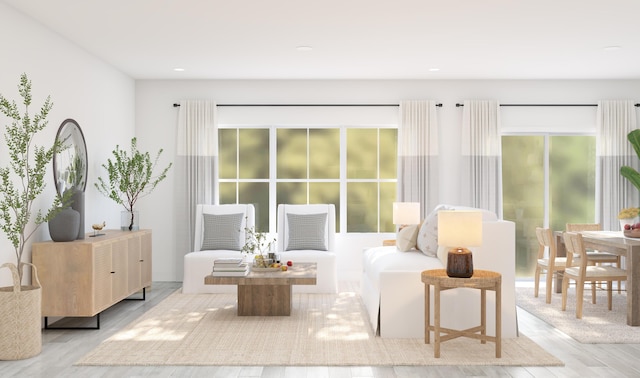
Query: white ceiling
pixel 352 39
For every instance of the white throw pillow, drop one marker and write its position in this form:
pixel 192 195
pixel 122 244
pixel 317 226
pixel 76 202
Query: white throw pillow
pixel 427 240
pixel 406 238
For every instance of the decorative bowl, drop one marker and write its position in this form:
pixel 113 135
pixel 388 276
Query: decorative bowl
pixel 632 233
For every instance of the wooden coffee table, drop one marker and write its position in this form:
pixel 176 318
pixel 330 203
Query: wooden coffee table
pixel 267 293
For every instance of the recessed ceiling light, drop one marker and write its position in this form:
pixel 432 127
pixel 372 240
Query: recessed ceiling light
pixel 434 69
pixel 304 48
pixel 178 69
pixel 612 48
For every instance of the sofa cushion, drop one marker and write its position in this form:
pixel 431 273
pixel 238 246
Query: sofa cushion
pixel 443 253
pixel 307 231
pixel 221 231
pixel 386 259
pixel 406 238
pixel 427 240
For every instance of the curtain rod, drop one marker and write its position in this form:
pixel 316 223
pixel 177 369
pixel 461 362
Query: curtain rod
pixel 177 105
pixel 460 105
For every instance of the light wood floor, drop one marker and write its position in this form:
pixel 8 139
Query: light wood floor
pixel 61 348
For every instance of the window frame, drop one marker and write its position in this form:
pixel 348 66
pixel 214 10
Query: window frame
pixel 342 180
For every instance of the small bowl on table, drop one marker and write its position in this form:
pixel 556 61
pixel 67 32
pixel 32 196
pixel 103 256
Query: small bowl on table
pixel 635 233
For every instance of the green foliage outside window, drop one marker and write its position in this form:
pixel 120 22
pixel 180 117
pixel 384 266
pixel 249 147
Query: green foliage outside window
pixel 308 171
pixel 570 178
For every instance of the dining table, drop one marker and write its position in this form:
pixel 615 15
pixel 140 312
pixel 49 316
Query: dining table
pixel 613 242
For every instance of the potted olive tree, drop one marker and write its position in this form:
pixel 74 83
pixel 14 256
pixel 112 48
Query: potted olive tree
pixel 628 172
pixel 21 182
pixel 634 178
pixel 130 176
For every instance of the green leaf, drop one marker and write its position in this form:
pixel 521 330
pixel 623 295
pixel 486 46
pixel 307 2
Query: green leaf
pixel 634 138
pixel 631 174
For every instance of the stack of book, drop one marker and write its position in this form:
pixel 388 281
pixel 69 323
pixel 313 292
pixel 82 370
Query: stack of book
pixel 230 267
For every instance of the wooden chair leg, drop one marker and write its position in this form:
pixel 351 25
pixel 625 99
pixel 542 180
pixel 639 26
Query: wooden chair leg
pixel 549 285
pixel 593 298
pixel 565 287
pixel 579 297
pixel 593 292
pixel 537 282
pixel 619 265
pixel 609 292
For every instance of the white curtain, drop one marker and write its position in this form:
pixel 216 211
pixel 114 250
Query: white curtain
pixel 196 168
pixel 481 178
pixel 613 192
pixel 418 154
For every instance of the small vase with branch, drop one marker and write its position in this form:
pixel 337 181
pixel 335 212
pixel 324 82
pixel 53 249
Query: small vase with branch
pixel 130 176
pixel 258 244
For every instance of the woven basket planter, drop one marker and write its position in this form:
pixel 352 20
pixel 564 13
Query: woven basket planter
pixel 20 317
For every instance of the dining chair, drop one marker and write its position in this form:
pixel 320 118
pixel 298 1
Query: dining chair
pixel 596 257
pixel 586 273
pixel 551 264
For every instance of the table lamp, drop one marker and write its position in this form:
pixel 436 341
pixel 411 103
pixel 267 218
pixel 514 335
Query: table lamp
pixel 406 213
pixel 458 230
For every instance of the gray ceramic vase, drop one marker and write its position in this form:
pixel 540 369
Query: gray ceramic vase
pixel 64 226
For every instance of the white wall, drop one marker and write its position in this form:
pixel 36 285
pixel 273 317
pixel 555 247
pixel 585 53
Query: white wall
pixel 100 98
pixel 109 106
pixel 156 121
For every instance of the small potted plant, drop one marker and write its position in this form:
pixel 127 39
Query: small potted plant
pixel 258 244
pixel 129 178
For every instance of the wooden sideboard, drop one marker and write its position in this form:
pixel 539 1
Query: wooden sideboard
pixel 84 277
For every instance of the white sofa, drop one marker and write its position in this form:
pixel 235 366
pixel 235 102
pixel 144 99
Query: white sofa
pixel 199 263
pixel 393 293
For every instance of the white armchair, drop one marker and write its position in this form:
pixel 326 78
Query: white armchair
pixel 306 233
pixel 208 246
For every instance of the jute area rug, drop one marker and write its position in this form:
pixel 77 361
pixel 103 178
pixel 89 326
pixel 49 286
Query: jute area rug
pixel 597 326
pixel 323 330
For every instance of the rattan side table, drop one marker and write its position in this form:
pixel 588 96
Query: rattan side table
pixel 483 280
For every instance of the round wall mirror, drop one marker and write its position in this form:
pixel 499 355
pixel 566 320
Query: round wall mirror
pixel 70 167
pixel 70 164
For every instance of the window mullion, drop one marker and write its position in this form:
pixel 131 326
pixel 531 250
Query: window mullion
pixel 308 166
pixel 343 179
pixel 273 174
pixel 547 184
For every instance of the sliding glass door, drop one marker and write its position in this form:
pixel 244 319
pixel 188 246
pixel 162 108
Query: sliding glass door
pixel 548 180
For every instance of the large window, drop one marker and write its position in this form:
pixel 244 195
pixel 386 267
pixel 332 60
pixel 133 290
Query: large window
pixel 548 180
pixel 352 167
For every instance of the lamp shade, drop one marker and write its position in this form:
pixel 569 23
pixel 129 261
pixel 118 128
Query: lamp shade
pixel 406 213
pixel 458 228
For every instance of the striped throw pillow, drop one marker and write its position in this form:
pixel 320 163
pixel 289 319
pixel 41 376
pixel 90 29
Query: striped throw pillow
pixel 307 231
pixel 221 231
